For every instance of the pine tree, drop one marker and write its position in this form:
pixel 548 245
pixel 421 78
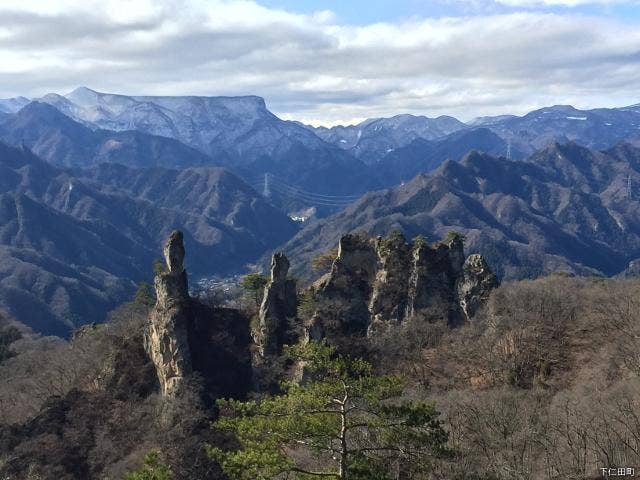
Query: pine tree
pixel 344 423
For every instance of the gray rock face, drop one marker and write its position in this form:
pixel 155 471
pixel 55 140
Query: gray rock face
pixel 475 285
pixel 185 336
pixel 343 296
pixel 376 283
pixel 174 252
pixel 389 292
pixel 278 308
pixel 167 338
pixel 433 276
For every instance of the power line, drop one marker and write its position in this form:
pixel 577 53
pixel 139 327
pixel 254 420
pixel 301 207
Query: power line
pixel 303 198
pixel 303 193
pixel 275 180
pixel 268 184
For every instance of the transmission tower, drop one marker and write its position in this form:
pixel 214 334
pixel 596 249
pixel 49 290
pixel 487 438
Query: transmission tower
pixel 266 191
pixel 509 149
pixel 629 191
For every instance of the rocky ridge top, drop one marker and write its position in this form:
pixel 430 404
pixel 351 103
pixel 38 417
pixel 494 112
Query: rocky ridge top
pixel 374 284
pixel 381 282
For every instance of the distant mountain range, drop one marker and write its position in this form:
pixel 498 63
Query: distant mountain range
pixel 94 180
pixel 566 208
pixel 599 128
pixel 372 139
pixel 236 132
pixel 73 244
pixel 310 167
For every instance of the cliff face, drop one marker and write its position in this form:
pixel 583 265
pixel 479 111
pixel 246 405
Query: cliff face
pixel 167 340
pixel 278 308
pixel 343 296
pixel 375 283
pixel 476 284
pixel 185 336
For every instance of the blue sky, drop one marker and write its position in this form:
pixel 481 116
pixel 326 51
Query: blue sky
pixel 361 12
pixel 333 61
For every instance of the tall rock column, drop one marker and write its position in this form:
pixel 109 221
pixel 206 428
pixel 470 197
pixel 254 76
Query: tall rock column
pixel 167 337
pixel 278 308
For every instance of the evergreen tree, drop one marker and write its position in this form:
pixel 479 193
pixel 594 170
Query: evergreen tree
pixel 344 423
pixel 152 469
pixel 253 285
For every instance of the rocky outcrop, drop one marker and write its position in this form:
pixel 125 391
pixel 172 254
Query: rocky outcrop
pixel 434 273
pixel 389 300
pixel 167 339
pixel 376 283
pixel 278 308
pixel 342 297
pixel 474 287
pixel 184 336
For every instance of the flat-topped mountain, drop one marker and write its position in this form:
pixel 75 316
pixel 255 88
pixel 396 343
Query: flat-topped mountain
pixel 61 140
pixel 237 132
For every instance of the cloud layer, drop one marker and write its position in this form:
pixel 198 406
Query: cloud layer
pixel 315 68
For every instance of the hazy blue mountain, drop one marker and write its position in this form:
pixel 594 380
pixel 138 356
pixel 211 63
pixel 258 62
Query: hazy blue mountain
pixel 374 138
pixel 566 208
pixel 12 105
pixel 486 121
pixel 72 246
pixel 599 128
pixel 422 156
pixel 309 167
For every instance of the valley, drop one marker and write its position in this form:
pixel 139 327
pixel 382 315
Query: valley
pixel 553 190
pixel 305 240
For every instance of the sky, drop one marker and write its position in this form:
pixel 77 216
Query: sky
pixel 331 62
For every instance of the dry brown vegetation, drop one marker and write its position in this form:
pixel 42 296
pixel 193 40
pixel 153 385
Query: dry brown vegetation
pixel 89 408
pixel 543 384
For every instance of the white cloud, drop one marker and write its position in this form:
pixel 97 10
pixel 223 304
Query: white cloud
pixel 314 68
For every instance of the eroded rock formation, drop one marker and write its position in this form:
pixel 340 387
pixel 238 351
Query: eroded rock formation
pixel 278 308
pixel 475 285
pixel 375 283
pixel 342 296
pixel 185 336
pixel 167 339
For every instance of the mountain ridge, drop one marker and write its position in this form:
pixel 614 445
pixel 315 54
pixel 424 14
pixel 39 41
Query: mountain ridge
pixel 565 208
pixel 73 245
